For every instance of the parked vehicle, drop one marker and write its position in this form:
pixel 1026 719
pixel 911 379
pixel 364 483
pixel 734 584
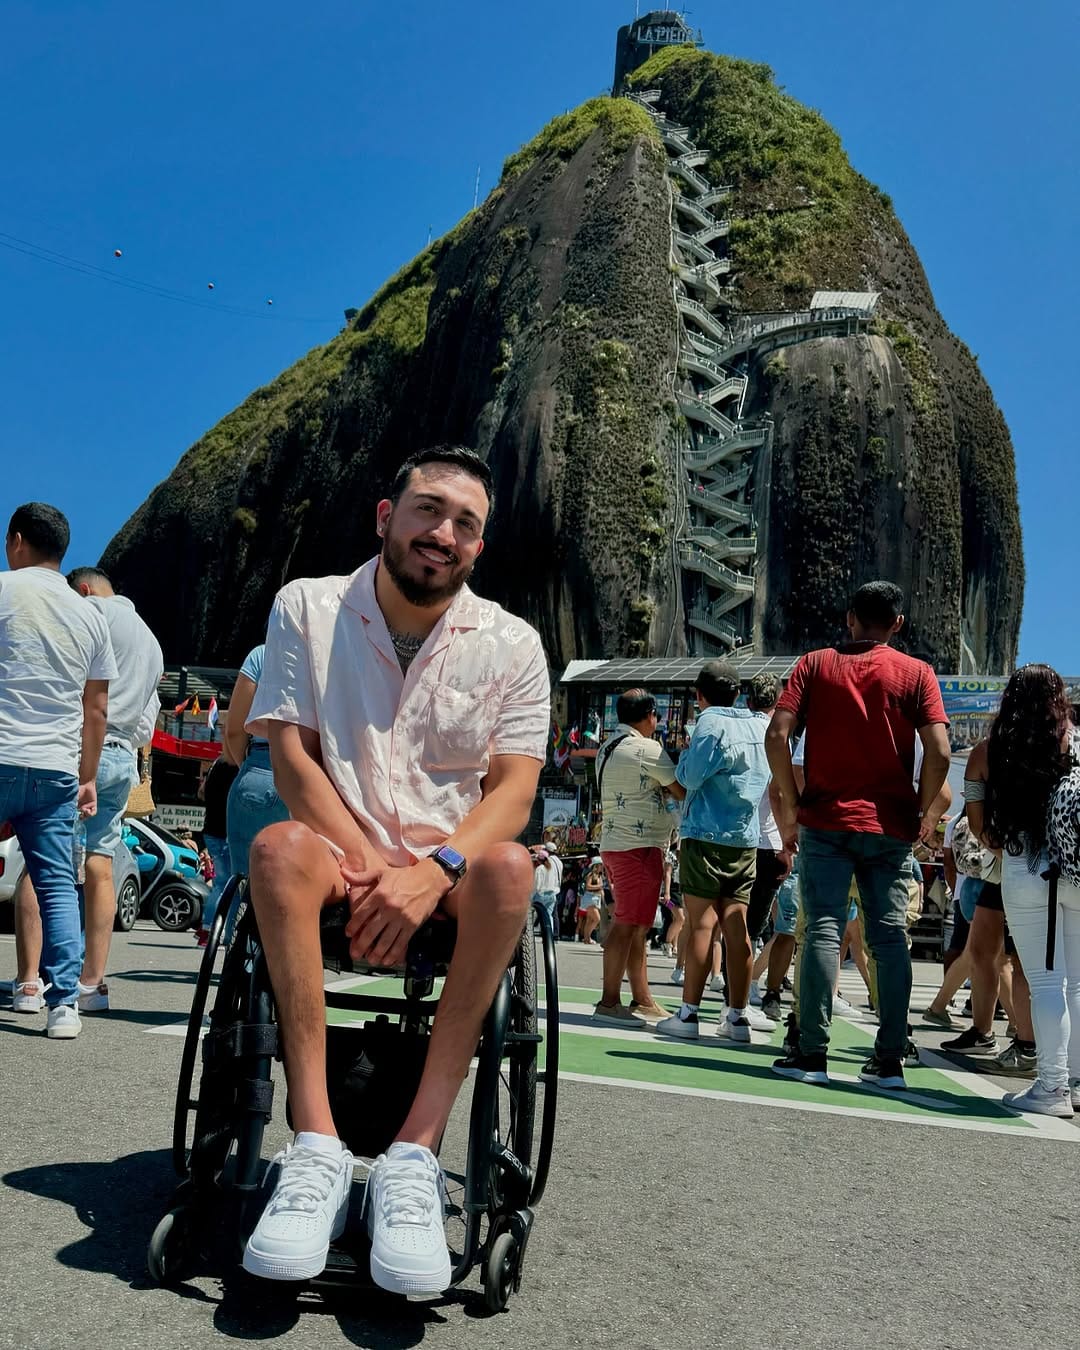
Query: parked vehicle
pixel 173 891
pixel 125 879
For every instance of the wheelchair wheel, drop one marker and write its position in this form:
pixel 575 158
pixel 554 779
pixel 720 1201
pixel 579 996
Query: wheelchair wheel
pixel 173 1251
pixel 521 1072
pixel 500 1269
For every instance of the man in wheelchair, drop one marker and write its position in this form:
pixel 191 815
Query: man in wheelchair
pixel 408 723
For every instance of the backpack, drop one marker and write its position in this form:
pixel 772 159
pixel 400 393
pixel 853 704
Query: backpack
pixel 1063 840
pixel 968 853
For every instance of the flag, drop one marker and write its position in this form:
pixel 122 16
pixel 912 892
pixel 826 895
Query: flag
pixel 195 709
pixel 562 747
pixel 211 713
pixel 180 707
pixel 575 737
pixel 556 733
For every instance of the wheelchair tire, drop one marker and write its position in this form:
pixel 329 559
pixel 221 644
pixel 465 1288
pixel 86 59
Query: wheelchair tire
pixel 522 1069
pixel 172 1252
pixel 500 1269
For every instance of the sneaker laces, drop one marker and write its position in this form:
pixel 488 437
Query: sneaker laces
pixel 305 1181
pixel 26 986
pixel 406 1194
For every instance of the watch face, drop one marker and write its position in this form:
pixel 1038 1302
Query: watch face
pixel 451 856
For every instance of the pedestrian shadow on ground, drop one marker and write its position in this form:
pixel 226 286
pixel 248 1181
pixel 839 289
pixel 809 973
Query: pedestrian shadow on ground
pixel 245 1309
pixel 752 1066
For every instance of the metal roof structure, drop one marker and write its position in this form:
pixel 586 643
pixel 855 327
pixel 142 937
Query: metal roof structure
pixel 631 671
pixel 202 680
pixel 862 300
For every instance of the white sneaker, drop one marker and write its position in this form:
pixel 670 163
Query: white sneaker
pixel 28 996
pixel 63 1023
pixel 842 1007
pixel 758 1021
pixel 755 994
pixel 1074 1093
pixel 93 997
pixel 716 984
pixel 306 1212
pixel 735 1028
pixel 405 1204
pixel 677 976
pixel 675 1026
pixel 1041 1101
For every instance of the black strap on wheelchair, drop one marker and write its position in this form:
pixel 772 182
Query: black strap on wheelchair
pixel 255 1094
pixel 240 1039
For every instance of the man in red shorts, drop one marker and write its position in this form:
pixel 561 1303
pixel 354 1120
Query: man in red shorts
pixel 633 770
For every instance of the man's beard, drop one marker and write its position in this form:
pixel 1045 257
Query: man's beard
pixel 428 589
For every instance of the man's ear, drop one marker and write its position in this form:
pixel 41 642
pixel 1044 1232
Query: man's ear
pixel 899 623
pixel 382 516
pixel 84 588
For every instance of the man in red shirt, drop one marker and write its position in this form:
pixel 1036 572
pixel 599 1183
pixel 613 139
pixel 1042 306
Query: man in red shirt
pixel 862 704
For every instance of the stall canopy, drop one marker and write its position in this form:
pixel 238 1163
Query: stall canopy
pixel 667 670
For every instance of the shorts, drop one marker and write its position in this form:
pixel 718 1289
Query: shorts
pixel 990 898
pixel 959 938
pixel 766 884
pixel 676 895
pixel 636 876
pixel 118 772
pixel 787 907
pixel 721 872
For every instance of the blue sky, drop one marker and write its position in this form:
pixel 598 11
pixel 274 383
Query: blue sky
pixel 302 153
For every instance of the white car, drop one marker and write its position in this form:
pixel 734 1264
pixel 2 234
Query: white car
pixel 125 878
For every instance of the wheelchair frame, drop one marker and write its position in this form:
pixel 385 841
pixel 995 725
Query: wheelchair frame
pixel 221 1166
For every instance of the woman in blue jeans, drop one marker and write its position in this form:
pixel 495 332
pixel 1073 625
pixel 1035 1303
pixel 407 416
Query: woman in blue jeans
pixel 253 800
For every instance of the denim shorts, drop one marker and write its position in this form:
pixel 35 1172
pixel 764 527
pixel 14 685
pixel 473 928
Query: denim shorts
pixel 252 805
pixel 787 906
pixel 117 774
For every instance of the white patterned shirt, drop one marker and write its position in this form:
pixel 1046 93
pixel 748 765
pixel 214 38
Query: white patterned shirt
pixel 406 753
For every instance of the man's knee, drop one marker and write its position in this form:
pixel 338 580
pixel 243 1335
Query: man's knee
pixel 288 859
pixel 503 877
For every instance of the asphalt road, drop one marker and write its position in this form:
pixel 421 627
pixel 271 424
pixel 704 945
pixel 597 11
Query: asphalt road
pixel 670 1219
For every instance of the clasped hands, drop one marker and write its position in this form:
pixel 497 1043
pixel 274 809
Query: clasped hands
pixel 388 905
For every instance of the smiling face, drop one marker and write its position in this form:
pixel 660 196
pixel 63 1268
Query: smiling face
pixel 433 534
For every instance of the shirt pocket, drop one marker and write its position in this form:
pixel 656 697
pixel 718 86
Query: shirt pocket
pixel 460 727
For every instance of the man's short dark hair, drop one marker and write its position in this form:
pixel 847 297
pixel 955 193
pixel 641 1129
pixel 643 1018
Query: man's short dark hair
pixel 634 705
pixel 718 683
pixel 454 457
pixel 44 528
pixel 878 604
pixel 78 575
pixel 763 692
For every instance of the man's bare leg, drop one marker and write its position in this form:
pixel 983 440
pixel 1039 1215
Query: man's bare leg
pixel 955 976
pixel 637 967
pixel 616 956
pixel 740 953
pixel 783 949
pixel 1021 1002
pixel 100 905
pixel 293 875
pixel 986 943
pixel 28 937
pixel 701 927
pixel 490 905
pixel 761 961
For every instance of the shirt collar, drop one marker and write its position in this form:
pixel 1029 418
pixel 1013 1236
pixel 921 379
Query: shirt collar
pixel 464 612
pixel 628 730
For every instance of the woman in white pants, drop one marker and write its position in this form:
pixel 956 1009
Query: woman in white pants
pixel 1031 747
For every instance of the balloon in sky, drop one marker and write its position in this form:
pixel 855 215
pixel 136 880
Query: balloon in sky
pixel 209 285
pixel 116 253
pixel 269 302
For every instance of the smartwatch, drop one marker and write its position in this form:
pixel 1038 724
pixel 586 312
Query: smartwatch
pixel 452 863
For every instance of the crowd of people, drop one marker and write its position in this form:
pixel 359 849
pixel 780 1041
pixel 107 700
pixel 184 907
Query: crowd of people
pixel 383 754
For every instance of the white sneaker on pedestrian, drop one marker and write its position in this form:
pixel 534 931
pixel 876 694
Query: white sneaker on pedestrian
pixel 682 1029
pixel 93 997
pixel 755 994
pixel 734 1028
pixel 28 996
pixel 677 976
pixel 716 984
pixel 63 1022
pixel 405 1204
pixel 843 1008
pixel 1041 1101
pixel 758 1021
pixel 306 1211
pixel 1074 1093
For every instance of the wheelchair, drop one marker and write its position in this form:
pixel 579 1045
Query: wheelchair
pixel 373 1069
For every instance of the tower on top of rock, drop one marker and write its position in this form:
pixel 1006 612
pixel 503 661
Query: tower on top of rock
pixel 638 40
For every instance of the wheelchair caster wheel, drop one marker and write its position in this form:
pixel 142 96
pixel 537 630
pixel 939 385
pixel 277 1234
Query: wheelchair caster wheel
pixel 500 1271
pixel 172 1252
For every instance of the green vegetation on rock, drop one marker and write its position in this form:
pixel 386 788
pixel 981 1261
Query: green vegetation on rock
pixel 619 119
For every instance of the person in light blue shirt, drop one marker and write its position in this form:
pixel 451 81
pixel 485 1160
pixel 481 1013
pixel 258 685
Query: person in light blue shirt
pixel 725 773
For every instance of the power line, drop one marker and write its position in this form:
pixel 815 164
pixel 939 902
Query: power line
pixel 83 268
